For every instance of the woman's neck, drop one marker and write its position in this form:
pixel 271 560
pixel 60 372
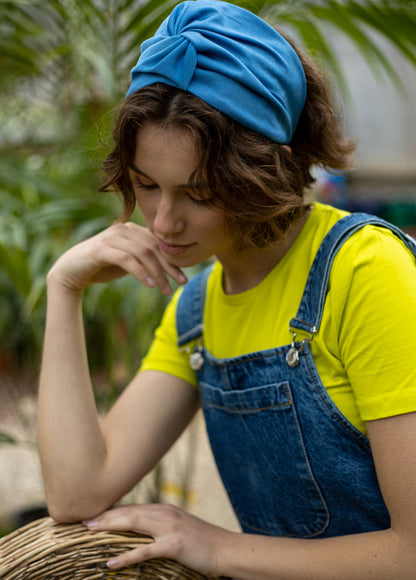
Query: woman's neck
pixel 245 270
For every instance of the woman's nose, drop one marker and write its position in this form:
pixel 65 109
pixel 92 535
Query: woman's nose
pixel 168 218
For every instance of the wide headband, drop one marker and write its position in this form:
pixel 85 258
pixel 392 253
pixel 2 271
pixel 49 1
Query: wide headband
pixel 232 60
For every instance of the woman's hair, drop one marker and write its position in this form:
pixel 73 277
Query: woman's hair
pixel 257 183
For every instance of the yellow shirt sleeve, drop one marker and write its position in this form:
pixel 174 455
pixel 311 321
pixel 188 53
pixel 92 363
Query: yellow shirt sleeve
pixel 375 311
pixel 164 354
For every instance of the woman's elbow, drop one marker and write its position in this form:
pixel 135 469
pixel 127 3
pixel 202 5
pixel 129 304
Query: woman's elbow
pixel 64 512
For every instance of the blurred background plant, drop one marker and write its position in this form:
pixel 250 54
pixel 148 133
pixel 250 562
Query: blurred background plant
pixel 65 68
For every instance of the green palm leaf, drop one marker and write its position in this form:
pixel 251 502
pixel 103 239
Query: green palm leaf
pixel 389 20
pixel 5 438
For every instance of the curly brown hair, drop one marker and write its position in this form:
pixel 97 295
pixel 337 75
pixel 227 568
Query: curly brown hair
pixel 257 183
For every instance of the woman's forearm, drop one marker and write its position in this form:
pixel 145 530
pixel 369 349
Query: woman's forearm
pixel 386 555
pixel 71 445
pixel 383 555
pixel 81 462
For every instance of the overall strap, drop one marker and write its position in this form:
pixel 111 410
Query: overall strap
pixel 309 315
pixel 190 308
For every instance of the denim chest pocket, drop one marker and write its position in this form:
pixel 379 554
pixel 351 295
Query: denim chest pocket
pixel 259 449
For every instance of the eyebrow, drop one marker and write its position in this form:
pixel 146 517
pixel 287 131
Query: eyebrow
pixel 136 169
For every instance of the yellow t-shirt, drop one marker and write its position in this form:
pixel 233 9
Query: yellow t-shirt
pixel 365 350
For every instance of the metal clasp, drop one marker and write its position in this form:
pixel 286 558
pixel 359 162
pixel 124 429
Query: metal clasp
pixel 196 358
pixel 292 357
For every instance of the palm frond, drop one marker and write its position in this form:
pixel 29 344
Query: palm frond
pixel 360 22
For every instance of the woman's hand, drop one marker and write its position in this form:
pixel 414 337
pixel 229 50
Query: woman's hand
pixel 123 248
pixel 178 536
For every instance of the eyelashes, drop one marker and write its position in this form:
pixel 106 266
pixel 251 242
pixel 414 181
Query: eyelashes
pixel 189 194
pixel 148 187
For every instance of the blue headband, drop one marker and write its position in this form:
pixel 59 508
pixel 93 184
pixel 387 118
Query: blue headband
pixel 232 60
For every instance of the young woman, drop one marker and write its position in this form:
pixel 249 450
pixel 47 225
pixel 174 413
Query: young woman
pixel 298 343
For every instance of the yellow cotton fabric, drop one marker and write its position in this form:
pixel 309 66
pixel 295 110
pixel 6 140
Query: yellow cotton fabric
pixel 365 350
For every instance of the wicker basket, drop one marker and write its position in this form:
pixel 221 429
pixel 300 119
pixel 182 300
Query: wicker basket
pixel 44 550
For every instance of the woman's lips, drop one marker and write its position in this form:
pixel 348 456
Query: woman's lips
pixel 173 249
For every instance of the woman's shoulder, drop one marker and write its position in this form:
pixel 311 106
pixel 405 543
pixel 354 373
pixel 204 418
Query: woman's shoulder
pixel 370 243
pixel 378 247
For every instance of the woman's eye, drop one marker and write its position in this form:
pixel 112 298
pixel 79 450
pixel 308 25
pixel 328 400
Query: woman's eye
pixel 193 196
pixel 141 185
pixel 197 199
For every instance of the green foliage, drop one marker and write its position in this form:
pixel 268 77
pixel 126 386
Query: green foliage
pixel 44 211
pixel 6 438
pixel 360 21
pixel 38 217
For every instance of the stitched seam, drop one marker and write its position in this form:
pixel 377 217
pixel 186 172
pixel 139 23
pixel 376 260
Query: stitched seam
pixel 190 333
pixel 314 481
pixel 339 420
pixel 229 362
pixel 250 410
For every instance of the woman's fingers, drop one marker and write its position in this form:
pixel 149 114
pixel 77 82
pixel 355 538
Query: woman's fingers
pixel 121 249
pixel 137 555
pixel 146 268
pixel 177 535
pixel 151 257
pixel 142 518
pixel 153 520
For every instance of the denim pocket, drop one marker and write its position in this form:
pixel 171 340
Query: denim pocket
pixel 261 456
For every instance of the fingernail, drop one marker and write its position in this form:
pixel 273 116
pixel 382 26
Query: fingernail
pixel 167 289
pixel 113 563
pixel 150 281
pixel 183 278
pixel 91 523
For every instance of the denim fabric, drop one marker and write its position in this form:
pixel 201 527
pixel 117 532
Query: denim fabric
pixel 291 463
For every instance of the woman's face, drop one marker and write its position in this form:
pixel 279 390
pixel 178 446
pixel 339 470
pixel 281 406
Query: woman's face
pixel 188 228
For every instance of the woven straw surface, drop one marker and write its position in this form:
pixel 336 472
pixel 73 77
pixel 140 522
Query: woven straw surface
pixel 44 550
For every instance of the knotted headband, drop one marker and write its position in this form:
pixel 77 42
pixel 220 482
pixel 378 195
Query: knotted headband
pixel 232 60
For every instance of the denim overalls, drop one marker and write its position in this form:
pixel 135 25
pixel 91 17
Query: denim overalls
pixel 291 463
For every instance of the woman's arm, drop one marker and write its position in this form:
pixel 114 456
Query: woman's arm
pixel 88 466
pixel 385 555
